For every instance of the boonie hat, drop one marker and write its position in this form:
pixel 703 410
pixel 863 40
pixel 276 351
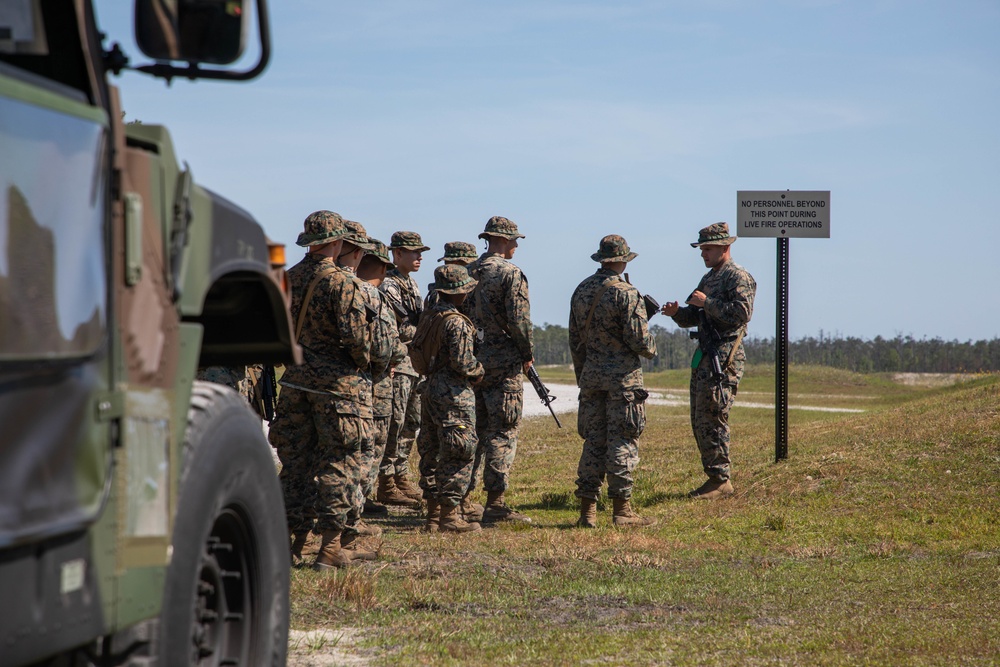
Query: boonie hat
pixel 453 279
pixel 500 226
pixel 379 251
pixel 613 248
pixel 357 235
pixel 407 241
pixel 458 252
pixel 717 234
pixel 321 227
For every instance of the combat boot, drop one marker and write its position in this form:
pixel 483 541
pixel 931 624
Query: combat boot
pixel 625 516
pixel 373 508
pixel 298 544
pixel 330 554
pixel 350 547
pixel 452 521
pixel 713 489
pixel 408 488
pixel 390 495
pixel 588 513
pixel 362 528
pixel 433 516
pixel 497 510
pixel 471 510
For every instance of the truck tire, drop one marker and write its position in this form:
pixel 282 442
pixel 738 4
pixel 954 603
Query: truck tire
pixel 226 596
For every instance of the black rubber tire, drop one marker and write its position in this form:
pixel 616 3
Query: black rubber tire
pixel 226 597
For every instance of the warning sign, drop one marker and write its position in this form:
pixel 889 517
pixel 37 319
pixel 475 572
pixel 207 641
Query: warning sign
pixel 783 213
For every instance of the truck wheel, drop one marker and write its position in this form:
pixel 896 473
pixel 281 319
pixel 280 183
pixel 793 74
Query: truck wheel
pixel 226 596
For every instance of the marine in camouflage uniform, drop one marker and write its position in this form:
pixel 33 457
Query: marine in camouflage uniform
pixel 325 405
pixel 372 270
pixel 500 309
pixel 386 350
pixel 447 439
pixel 608 332
pixel 403 294
pixel 455 252
pixel 726 294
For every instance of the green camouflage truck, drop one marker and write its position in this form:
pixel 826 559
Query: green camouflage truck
pixel 141 520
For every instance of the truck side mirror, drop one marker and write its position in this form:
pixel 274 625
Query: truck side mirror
pixel 196 31
pixel 199 32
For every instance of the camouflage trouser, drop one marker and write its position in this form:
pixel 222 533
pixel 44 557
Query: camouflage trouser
pixel 380 430
pixel 403 426
pixel 320 444
pixel 499 400
pixel 710 421
pixel 447 441
pixel 610 423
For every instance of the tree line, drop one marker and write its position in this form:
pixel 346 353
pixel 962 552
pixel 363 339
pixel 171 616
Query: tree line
pixel 879 355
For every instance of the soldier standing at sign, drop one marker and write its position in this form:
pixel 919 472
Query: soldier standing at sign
pixel 608 332
pixel 500 310
pixel 725 294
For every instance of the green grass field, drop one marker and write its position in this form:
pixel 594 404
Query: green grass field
pixel 877 542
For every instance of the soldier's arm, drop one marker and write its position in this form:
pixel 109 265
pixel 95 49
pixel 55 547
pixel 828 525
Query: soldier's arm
pixel 734 306
pixel 519 317
pixel 394 295
pixel 636 327
pixel 355 335
pixel 577 350
pixel 458 340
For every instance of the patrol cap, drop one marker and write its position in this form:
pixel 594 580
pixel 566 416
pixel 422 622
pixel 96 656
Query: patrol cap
pixel 500 226
pixel 321 227
pixel 717 234
pixel 379 252
pixel 613 248
pixel 357 235
pixel 453 279
pixel 458 252
pixel 407 241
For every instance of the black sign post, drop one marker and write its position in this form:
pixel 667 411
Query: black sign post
pixel 782 214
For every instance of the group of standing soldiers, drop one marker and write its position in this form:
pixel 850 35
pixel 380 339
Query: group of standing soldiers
pixel 348 415
pixel 384 367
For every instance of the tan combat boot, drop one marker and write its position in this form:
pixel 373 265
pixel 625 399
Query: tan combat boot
pixel 470 509
pixel 452 521
pixel 433 516
pixel 362 528
pixel 330 554
pixel 625 516
pixel 350 547
pixel 588 513
pixel 388 494
pixel 713 489
pixel 408 488
pixel 298 544
pixel 498 510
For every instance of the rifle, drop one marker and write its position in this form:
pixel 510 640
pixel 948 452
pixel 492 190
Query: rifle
pixel 269 392
pixel 404 314
pixel 542 391
pixel 708 341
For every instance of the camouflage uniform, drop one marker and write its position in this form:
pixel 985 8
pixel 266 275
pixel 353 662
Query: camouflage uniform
pixel 606 346
pixel 730 291
pixel 403 294
pixel 325 405
pixel 234 377
pixel 500 310
pixel 447 439
pixel 384 329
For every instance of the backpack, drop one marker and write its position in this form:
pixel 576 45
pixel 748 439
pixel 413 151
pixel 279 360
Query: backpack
pixel 427 340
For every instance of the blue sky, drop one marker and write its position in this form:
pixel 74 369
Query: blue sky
pixel 580 119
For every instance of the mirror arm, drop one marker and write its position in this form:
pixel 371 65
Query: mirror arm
pixel 193 71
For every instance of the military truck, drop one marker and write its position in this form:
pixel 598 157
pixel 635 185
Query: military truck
pixel 141 521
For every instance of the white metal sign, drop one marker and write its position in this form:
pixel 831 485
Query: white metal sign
pixel 783 213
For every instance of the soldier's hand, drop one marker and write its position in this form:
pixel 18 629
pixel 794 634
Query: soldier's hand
pixel 697 299
pixel 528 364
pixel 670 308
